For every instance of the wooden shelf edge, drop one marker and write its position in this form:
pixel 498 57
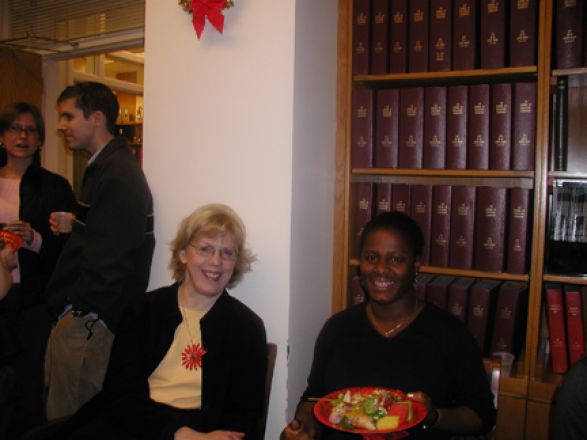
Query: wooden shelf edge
pixel 566 279
pixel 569 72
pixel 567 175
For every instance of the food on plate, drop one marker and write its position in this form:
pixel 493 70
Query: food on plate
pixel 377 410
pixel 10 238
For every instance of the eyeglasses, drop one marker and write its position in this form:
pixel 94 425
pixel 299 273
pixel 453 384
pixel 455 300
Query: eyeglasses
pixel 208 251
pixel 16 129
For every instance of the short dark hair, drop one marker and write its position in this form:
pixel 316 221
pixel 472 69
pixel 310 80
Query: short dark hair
pixel 23 108
pixel 93 96
pixel 399 222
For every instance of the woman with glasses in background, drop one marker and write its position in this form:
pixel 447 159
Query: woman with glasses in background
pixel 28 194
pixel 188 360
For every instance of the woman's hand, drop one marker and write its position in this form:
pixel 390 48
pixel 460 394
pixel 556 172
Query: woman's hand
pixel 22 229
pixel 185 433
pixel 303 426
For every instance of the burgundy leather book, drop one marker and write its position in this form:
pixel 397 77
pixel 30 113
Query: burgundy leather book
pixel 437 291
pixel 490 213
pixel 481 311
pixel 456 127
pixel 462 226
pixel 400 195
pixel 440 35
pixel 465 30
pixel 361 34
pixel 510 323
pixel 555 314
pixel 575 323
pixel 411 127
pixel 418 36
pixel 383 202
pixel 478 142
pixel 434 128
pixel 519 214
pixel 500 149
pixel 493 34
pixel 363 211
pixel 398 36
pixel 421 283
pixel 568 33
pixel 379 36
pixel 458 297
pixel 440 232
pixel 420 211
pixel 386 128
pixel 357 293
pixel 524 126
pixel 523 32
pixel 362 128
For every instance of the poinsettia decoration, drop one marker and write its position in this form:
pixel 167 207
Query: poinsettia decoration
pixel 206 9
pixel 191 357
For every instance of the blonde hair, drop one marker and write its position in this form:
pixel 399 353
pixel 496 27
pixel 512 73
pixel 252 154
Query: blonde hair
pixel 210 221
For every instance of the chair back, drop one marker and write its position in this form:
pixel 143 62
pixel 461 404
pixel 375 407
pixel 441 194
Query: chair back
pixel 271 356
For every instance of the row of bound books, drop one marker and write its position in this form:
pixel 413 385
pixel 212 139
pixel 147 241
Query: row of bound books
pixel 493 311
pixel 400 36
pixel 571 45
pixel 565 306
pixel 474 127
pixel 464 227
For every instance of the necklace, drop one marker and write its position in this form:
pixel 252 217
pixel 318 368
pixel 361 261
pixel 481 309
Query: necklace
pixel 406 320
pixel 191 356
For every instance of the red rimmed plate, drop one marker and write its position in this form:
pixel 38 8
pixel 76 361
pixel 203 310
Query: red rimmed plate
pixel 323 409
pixel 11 238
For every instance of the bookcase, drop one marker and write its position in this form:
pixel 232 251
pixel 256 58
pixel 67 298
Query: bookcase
pixel 526 397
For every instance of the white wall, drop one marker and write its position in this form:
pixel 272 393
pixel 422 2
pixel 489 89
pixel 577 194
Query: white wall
pixel 237 118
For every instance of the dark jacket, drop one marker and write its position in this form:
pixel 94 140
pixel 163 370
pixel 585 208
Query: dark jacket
pixel 233 371
pixel 107 259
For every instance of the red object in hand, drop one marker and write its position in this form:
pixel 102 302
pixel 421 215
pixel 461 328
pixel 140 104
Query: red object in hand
pixel 12 239
pixel 211 9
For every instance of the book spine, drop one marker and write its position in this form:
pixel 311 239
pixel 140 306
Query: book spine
pixel 440 35
pixel 478 141
pixel 556 327
pixel 456 128
pixel 517 242
pixel 569 33
pixel 379 36
pixel 508 324
pixel 524 126
pixel 481 311
pixel 398 45
pixel 362 128
pixel 420 285
pixel 493 34
pixel 464 46
pixel 435 128
pixel 386 126
pixel 363 211
pixel 575 323
pixel 421 202
pixel 401 198
pixel 437 291
pixel 462 227
pixel 562 127
pixel 500 150
pixel 357 293
pixel 458 298
pixel 490 229
pixel 383 203
pixel 440 235
pixel 361 31
pixel 411 127
pixel 523 32
pixel 418 36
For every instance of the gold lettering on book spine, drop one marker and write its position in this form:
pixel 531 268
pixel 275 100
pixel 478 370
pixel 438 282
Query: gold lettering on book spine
pixel 464 10
pixel 361 19
pixel 493 7
pixel 522 4
pixel 492 40
pixel 380 18
pixel 418 16
pixel 398 17
pixel 522 37
pixel 440 13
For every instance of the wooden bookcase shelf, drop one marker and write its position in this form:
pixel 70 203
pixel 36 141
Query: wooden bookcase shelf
pixel 526 398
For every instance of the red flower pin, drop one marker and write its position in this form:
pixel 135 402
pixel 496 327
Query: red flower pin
pixel 191 358
pixel 210 9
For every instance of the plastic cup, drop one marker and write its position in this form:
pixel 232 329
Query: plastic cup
pixel 63 220
pixel 507 360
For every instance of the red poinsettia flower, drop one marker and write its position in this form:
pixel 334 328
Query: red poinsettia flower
pixel 191 358
pixel 210 9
